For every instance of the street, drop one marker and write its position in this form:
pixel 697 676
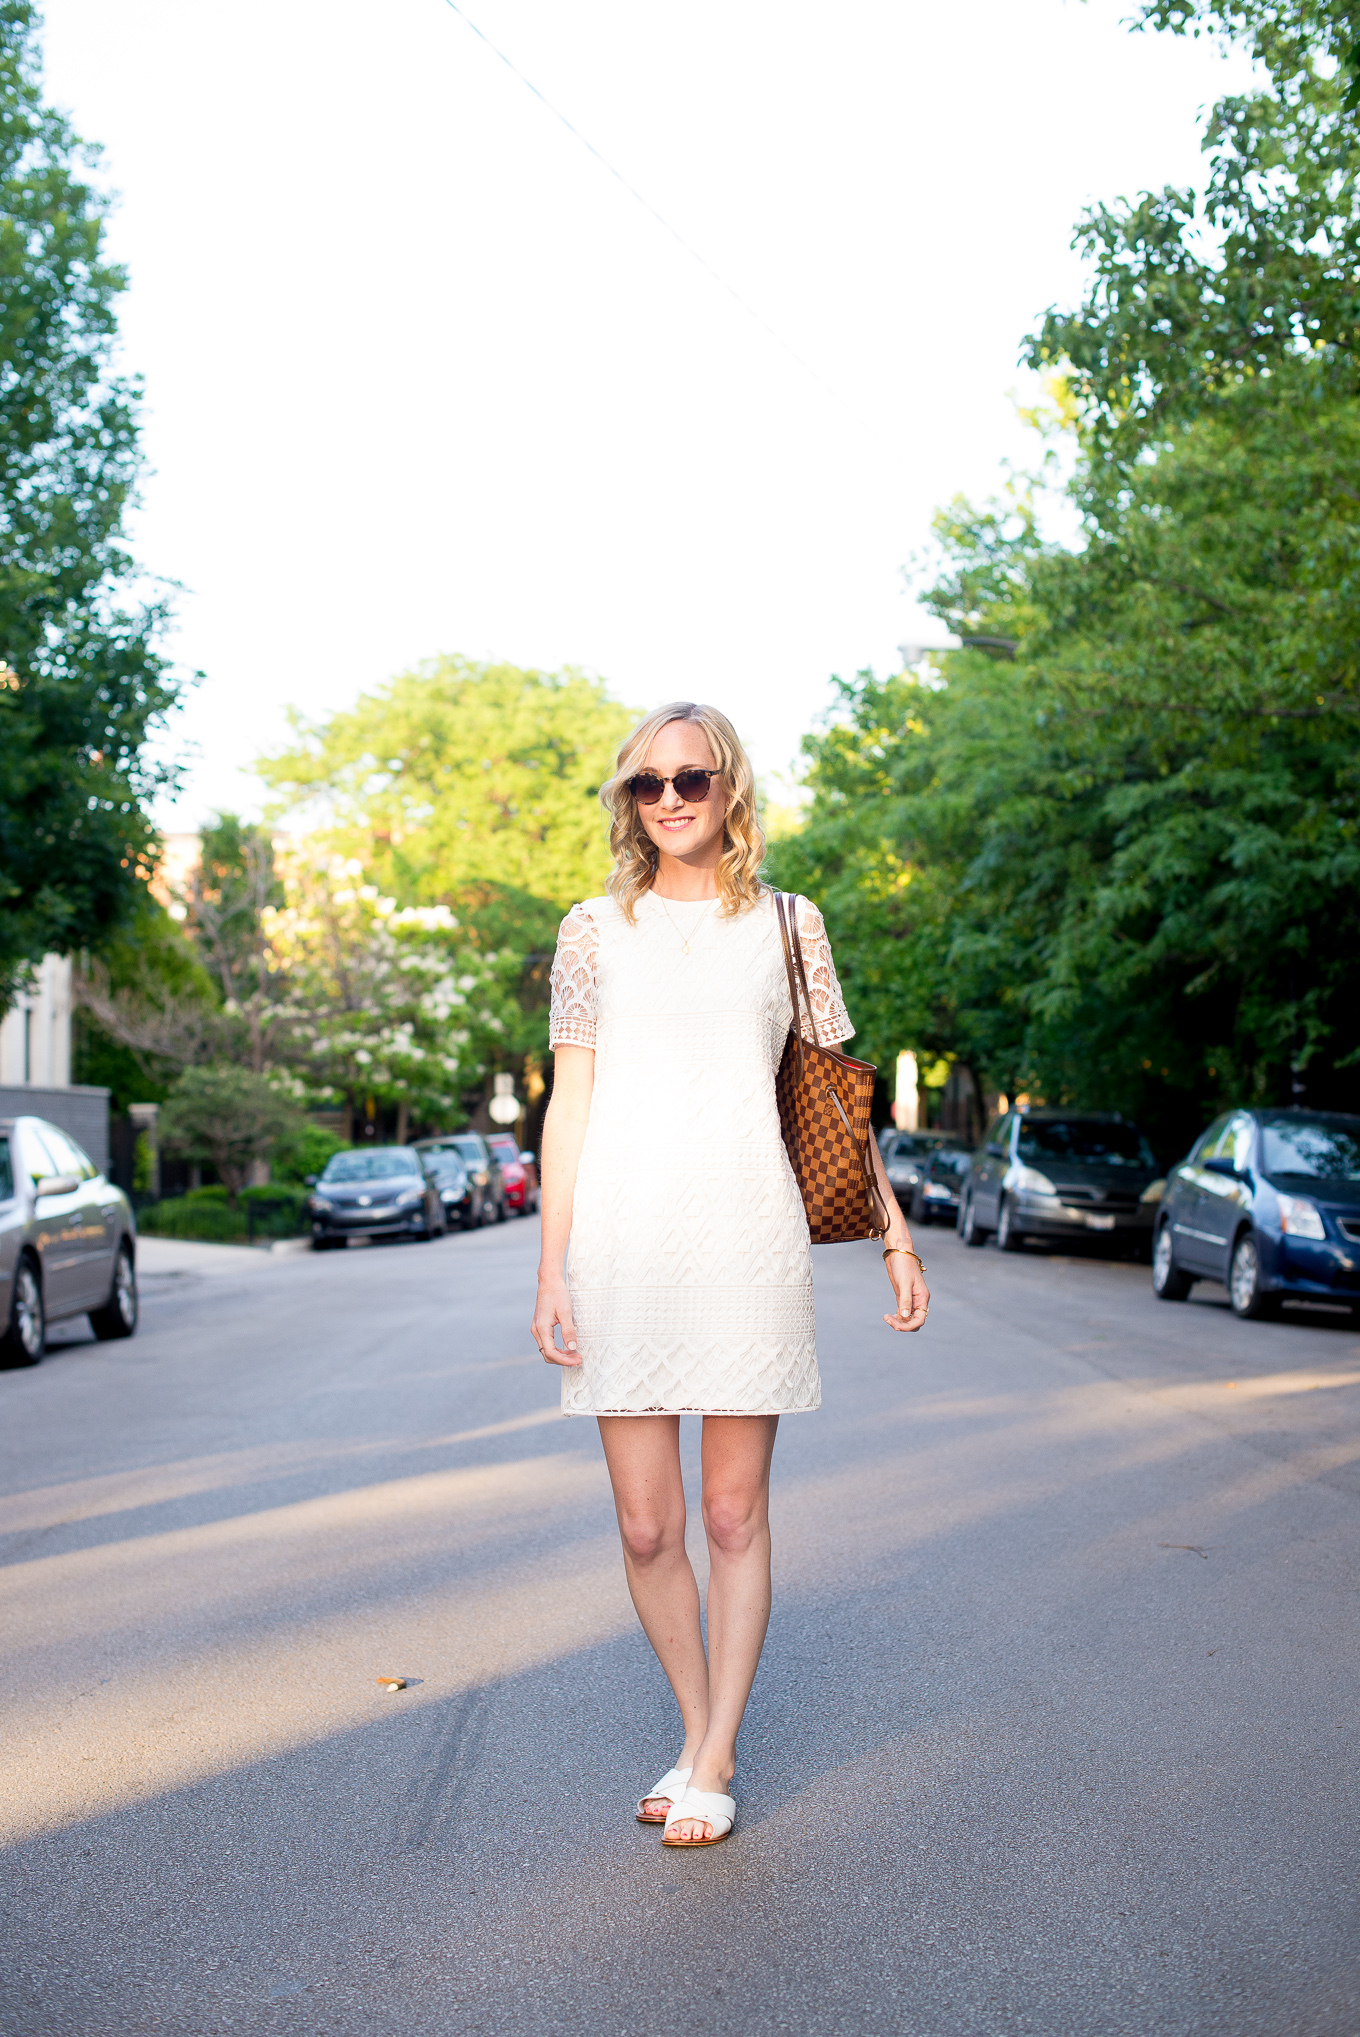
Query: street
pixel 1055 1731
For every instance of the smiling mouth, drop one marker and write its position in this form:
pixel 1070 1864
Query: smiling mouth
pixel 679 820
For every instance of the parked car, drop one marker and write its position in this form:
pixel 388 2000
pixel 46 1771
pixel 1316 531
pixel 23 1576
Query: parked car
pixel 904 1155
pixel 484 1171
pixel 68 1243
pixel 518 1171
pixel 462 1205
pixel 1268 1202
pixel 1061 1174
pixel 939 1184
pixel 374 1192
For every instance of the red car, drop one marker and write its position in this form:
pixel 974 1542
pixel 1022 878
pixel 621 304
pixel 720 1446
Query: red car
pixel 519 1172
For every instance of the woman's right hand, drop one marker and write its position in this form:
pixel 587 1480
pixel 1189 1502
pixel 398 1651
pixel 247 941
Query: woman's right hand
pixel 551 1311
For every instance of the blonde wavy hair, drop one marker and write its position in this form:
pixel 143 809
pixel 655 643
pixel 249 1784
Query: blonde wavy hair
pixel 635 855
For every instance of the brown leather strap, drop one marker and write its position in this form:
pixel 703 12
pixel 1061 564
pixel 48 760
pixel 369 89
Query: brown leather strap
pixel 793 954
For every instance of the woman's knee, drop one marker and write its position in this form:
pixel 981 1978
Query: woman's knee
pixel 648 1536
pixel 733 1521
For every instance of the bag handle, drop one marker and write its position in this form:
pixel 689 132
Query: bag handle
pixel 793 953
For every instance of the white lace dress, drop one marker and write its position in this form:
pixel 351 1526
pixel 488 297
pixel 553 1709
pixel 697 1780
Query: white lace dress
pixel 689 1265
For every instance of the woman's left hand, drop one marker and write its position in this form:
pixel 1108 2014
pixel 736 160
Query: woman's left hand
pixel 910 1290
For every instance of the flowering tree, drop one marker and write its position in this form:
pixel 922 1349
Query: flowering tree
pixel 376 1002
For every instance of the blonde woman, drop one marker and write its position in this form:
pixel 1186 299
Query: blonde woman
pixel 689 1288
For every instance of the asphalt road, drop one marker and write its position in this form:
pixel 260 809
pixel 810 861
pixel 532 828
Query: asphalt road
pixel 1055 1732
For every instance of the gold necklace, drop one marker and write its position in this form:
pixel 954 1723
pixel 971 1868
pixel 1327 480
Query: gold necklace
pixel 684 944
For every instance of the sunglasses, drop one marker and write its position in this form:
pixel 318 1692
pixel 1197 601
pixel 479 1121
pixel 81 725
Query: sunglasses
pixel 691 786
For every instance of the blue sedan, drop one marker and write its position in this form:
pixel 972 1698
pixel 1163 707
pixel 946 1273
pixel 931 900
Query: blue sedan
pixel 1268 1202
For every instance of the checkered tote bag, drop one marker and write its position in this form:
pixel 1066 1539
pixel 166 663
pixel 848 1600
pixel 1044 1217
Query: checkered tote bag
pixel 824 1100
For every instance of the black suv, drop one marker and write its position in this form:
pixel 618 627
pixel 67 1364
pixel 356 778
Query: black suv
pixel 1268 1202
pixel 1060 1174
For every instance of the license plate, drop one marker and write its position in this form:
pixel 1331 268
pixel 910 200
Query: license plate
pixel 1100 1223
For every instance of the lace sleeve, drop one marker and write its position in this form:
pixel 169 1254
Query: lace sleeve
pixel 828 1006
pixel 572 1019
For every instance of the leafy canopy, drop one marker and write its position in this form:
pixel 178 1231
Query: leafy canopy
pixel 467 785
pixel 81 686
pixel 1115 859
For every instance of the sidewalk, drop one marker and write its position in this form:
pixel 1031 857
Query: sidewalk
pixel 158 1257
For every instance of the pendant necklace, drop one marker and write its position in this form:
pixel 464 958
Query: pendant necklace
pixel 684 943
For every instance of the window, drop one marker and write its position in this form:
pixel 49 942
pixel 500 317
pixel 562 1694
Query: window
pixel 385 1163
pixel 1320 1149
pixel 996 1131
pixel 66 1154
pixel 949 1163
pixel 40 1160
pixel 1094 1140
pixel 6 1173
pixel 471 1148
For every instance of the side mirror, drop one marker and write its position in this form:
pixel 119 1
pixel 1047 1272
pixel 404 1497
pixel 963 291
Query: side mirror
pixel 1224 1167
pixel 56 1184
pixel 995 1152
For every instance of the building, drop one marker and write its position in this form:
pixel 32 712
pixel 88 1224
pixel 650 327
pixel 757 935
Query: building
pixel 35 1033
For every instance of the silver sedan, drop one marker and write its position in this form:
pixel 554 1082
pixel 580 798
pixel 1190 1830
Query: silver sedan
pixel 68 1243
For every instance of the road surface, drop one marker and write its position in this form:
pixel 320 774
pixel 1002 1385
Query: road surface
pixel 1055 1734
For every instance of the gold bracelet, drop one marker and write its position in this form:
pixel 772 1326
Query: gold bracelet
pixel 907 1253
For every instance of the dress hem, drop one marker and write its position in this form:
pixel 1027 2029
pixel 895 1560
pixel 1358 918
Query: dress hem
pixel 640 1414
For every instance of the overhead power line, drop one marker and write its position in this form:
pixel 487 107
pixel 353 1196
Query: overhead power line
pixel 713 274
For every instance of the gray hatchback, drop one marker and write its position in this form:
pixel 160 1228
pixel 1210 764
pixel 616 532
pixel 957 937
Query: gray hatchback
pixel 68 1243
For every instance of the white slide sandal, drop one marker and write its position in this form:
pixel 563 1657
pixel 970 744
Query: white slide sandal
pixel 671 1786
pixel 705 1807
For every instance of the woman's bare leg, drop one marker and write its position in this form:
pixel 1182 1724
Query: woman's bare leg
pixel 736 1457
pixel 643 1456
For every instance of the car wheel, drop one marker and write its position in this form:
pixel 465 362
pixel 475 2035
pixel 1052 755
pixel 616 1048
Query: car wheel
pixel 1245 1291
pixel 25 1339
pixel 1169 1283
pixel 1008 1239
pixel 970 1230
pixel 118 1317
pixel 324 1244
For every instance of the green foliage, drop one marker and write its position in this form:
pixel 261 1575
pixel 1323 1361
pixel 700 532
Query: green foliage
pixel 145 1008
pixel 302 1152
pixel 468 785
pixel 1111 855
pixel 1123 868
pixel 1189 300
pixel 380 1002
pixel 208 1216
pixel 81 686
pixel 230 891
pixel 227 1115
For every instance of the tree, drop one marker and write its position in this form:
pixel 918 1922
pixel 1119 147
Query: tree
pixel 81 685
pixel 227 1115
pixel 468 785
pixel 146 1009
pixel 379 1004
pixel 1110 853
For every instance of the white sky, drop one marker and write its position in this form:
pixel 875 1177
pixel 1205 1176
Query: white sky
pixel 421 377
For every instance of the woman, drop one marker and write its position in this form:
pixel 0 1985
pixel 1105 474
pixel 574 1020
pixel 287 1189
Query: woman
pixel 690 1281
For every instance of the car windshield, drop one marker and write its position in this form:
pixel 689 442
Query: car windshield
pixel 381 1164
pixel 447 1167
pixel 505 1150
pixel 1322 1149
pixel 470 1149
pixel 1089 1139
pixel 949 1163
